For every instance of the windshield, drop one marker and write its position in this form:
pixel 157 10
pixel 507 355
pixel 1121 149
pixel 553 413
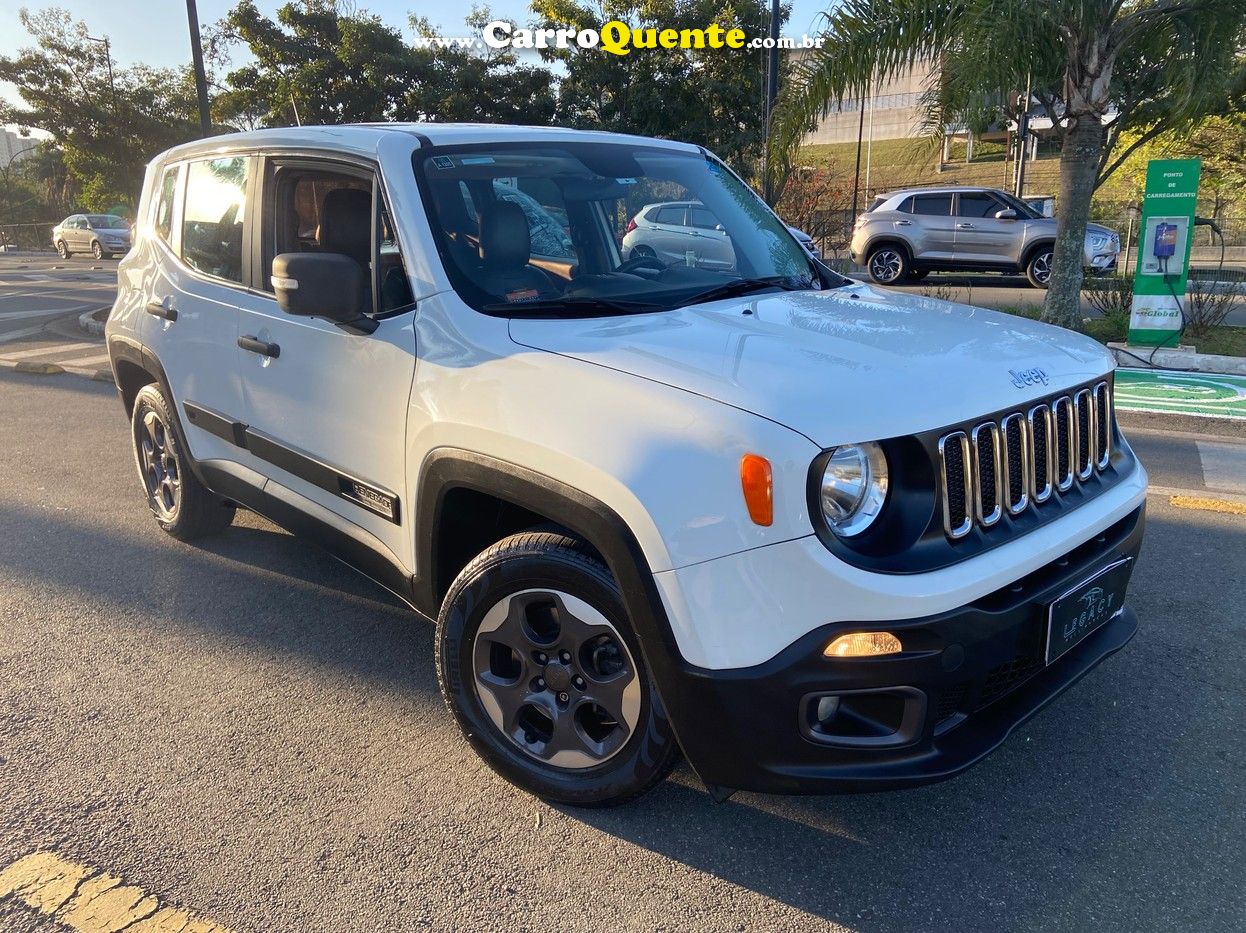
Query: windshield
pixel 591 228
pixel 108 222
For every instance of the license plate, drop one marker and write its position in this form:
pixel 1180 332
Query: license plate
pixel 1086 607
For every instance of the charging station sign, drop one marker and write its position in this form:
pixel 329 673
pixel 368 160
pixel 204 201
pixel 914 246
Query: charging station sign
pixel 1163 264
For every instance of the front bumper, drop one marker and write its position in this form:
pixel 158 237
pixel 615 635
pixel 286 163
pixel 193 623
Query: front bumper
pixel 976 673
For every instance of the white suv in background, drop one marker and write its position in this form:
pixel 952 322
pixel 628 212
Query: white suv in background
pixel 809 533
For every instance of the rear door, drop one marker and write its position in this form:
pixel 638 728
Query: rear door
pixel 980 237
pixel 933 233
pixel 326 407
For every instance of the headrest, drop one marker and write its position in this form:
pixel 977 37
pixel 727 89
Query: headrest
pixel 505 242
pixel 346 223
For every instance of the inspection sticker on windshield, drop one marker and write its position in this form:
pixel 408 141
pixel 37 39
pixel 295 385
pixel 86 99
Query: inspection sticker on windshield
pixel 527 294
pixel 443 162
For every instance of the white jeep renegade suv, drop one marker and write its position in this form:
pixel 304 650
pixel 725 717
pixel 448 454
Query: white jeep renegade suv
pixel 816 536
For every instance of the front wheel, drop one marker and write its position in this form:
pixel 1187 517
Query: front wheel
pixel 1038 269
pixel 97 250
pixel 62 250
pixel 181 504
pixel 888 264
pixel 539 666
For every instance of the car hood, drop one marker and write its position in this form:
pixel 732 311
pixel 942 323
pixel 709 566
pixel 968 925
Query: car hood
pixel 850 364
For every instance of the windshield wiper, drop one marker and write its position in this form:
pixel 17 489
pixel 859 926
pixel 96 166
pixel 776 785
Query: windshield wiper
pixel 743 287
pixel 580 305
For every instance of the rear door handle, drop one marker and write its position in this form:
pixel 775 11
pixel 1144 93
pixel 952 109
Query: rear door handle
pixel 255 345
pixel 158 309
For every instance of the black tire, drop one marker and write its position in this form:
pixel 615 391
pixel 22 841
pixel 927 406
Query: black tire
pixel 916 275
pixel 62 250
pixel 183 507
pixel 534 572
pixel 1038 267
pixel 888 264
pixel 97 250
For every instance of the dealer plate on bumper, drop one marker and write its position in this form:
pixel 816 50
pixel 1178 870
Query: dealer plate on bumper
pixel 1086 607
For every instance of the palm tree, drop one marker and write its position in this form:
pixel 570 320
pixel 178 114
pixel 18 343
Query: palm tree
pixel 1095 67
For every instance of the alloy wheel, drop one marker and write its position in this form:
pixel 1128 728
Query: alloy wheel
pixel 96 250
pixel 1041 268
pixel 886 265
pixel 162 473
pixel 62 250
pixel 556 678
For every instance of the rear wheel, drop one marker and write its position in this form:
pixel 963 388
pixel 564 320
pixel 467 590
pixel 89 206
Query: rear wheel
pixel 1038 269
pixel 888 264
pixel 181 504
pixel 544 675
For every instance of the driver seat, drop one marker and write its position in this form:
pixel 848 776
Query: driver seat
pixel 505 248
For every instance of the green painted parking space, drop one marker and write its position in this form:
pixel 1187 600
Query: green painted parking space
pixel 1160 390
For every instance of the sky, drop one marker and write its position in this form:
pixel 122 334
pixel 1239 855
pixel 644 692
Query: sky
pixel 154 31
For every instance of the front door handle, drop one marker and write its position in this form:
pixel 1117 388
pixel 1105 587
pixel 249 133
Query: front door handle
pixel 158 309
pixel 255 345
pixel 904 223
pixel 964 226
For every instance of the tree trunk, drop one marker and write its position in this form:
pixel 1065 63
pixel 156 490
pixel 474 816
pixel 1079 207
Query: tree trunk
pixel 1079 164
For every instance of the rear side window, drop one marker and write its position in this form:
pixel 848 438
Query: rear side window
pixel 212 222
pixel 670 215
pixel 879 202
pixel 933 205
pixel 163 223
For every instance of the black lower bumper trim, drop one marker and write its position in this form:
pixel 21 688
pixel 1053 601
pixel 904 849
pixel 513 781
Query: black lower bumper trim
pixel 980 669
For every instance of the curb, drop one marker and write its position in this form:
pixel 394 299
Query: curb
pixel 1176 360
pixel 90 324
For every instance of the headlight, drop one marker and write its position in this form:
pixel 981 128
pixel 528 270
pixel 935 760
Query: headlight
pixel 854 488
pixel 1099 241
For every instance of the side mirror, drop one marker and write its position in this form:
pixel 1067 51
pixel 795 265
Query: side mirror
pixel 1006 214
pixel 720 228
pixel 324 285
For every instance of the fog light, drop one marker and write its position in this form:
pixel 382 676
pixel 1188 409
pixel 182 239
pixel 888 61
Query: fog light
pixel 863 645
pixel 827 708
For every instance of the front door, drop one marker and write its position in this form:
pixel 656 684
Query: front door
pixel 980 237
pixel 326 407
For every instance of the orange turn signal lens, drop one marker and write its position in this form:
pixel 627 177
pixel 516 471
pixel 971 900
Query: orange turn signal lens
pixel 757 481
pixel 863 645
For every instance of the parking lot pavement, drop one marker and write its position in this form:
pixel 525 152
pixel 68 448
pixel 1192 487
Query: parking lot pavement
pixel 248 732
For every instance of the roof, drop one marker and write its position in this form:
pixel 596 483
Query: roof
pixel 363 138
pixel 936 189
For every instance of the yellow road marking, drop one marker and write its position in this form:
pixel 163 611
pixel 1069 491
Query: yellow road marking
pixel 1207 504
pixel 91 901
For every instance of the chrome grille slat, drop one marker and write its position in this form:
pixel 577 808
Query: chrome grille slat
pixel 1024 459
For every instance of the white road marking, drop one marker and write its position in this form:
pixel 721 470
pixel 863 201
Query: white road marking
pixel 41 312
pixel 96 360
pixel 49 349
pixel 1224 466
pixel 19 334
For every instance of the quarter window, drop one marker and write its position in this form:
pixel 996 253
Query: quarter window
pixel 212 225
pixel 164 206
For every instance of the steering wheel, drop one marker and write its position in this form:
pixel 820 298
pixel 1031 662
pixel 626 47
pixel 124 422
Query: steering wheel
pixel 640 262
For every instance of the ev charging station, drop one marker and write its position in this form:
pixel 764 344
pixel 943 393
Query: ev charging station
pixel 1162 271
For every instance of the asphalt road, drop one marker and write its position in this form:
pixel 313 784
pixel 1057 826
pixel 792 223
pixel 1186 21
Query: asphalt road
pixel 250 731
pixel 38 291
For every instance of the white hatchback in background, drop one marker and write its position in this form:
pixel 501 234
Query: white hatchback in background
pixel 815 535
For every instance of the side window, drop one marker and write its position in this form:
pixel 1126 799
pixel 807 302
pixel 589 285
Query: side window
pixel 933 205
pixel 163 221
pixel 670 215
pixel 701 218
pixel 906 206
pixel 212 222
pixel 977 204
pixel 331 210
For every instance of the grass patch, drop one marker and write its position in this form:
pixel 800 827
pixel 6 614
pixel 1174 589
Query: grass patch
pixel 1225 340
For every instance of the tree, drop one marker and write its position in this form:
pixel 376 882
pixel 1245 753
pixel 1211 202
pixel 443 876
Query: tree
pixel 1097 68
pixel 105 138
pixel 713 97
pixel 322 62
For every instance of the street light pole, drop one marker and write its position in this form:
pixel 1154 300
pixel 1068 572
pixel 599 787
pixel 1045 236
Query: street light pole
pixel 201 78
pixel 112 84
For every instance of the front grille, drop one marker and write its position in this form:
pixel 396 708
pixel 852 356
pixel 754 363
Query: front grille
pixel 1003 678
pixel 1019 461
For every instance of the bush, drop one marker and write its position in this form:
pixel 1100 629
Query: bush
pixel 1208 303
pixel 1113 297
